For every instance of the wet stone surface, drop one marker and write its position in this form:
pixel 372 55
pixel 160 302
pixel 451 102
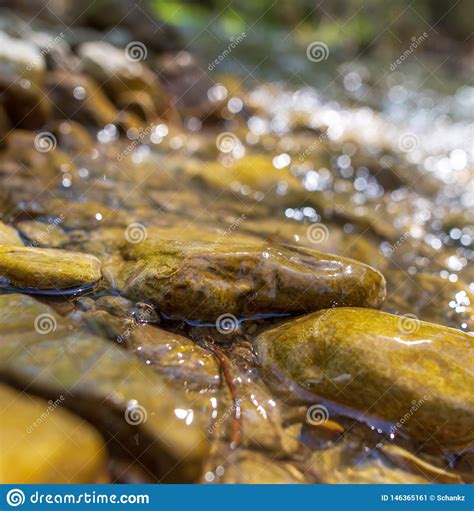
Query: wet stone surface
pixel 248 284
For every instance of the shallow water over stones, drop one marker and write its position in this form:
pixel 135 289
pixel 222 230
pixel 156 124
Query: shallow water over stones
pixel 205 294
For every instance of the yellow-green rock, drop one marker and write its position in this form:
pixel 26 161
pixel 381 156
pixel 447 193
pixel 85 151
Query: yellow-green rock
pixel 44 443
pixel 9 236
pixel 414 376
pixel 40 268
pixel 139 413
pixel 202 280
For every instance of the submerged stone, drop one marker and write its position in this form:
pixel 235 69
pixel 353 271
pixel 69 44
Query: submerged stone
pixel 9 236
pixel 394 372
pixel 174 356
pixel 45 269
pixel 341 464
pixel 137 411
pixel 203 280
pixel 38 438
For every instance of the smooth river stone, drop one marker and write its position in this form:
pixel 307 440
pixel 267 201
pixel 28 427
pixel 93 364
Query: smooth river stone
pixel 174 356
pixel 43 269
pixel 38 438
pixel 202 280
pixel 9 236
pixel 139 413
pixel 412 377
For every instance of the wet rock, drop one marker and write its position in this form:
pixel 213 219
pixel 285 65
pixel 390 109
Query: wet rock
pixel 405 459
pixel 204 280
pixel 129 83
pixel 188 85
pixel 82 215
pixel 4 125
pixel 55 49
pixel 22 69
pixel 387 370
pixel 73 138
pixel 250 467
pixel 32 163
pixel 328 237
pixel 253 175
pixel 42 234
pixel 77 97
pixel 9 236
pixel 115 305
pixel 430 298
pixel 342 464
pixel 43 269
pixel 174 356
pixel 42 443
pixel 139 414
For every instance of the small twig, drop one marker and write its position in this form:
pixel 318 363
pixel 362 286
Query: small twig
pixel 236 427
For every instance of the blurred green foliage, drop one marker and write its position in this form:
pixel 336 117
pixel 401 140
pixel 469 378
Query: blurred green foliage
pixel 359 23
